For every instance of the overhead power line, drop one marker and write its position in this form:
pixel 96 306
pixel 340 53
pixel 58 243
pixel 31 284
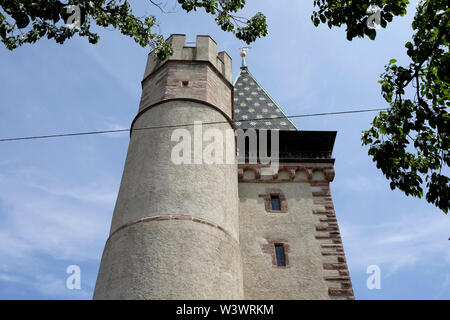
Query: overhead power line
pixel 61 135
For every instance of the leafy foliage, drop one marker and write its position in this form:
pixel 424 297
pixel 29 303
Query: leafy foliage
pixel 410 141
pixel 354 14
pixel 27 21
pixel 247 30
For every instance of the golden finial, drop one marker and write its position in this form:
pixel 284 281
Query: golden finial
pixel 243 55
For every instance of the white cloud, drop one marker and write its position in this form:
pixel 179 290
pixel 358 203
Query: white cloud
pixel 112 68
pixel 46 216
pixel 52 286
pixel 405 242
pixel 115 126
pixel 43 221
pixel 10 278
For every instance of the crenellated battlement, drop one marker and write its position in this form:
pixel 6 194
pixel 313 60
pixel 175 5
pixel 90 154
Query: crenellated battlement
pixel 204 50
pixel 193 73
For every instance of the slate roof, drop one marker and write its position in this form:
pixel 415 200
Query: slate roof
pixel 254 108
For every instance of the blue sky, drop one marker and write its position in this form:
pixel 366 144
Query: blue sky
pixel 57 195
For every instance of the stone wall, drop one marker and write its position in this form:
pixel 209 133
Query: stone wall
pixel 305 225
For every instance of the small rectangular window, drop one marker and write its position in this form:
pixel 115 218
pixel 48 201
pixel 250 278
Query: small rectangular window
pixel 275 201
pixel 279 251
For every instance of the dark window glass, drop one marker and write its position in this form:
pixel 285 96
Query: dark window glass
pixel 275 200
pixel 279 251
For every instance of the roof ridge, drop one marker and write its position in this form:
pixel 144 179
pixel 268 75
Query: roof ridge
pixel 245 93
pixel 273 100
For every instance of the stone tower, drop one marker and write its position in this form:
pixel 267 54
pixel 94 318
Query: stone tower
pixel 175 229
pixel 221 231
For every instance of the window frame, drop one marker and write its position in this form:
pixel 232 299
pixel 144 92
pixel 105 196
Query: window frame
pixel 268 201
pixel 275 198
pixel 269 248
pixel 280 255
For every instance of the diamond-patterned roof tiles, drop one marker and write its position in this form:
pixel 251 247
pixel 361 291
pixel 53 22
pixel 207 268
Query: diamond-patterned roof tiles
pixel 254 108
